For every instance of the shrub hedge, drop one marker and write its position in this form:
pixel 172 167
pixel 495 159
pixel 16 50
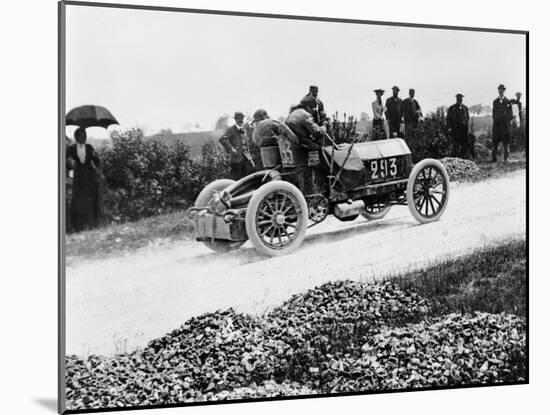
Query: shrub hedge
pixel 141 177
pixel 431 139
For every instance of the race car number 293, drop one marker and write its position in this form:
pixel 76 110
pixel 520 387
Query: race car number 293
pixel 383 168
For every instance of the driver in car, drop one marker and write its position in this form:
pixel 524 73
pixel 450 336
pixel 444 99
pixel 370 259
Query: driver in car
pixel 302 123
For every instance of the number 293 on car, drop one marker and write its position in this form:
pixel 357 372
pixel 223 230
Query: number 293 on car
pixel 383 168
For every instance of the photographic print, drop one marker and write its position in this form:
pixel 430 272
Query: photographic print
pixel 272 207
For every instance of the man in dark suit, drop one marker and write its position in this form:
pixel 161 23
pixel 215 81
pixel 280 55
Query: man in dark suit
pixel 235 142
pixel 411 114
pixel 458 119
pixel 319 114
pixel 502 116
pixel 394 112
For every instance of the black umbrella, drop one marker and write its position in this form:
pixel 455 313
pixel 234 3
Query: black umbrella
pixel 90 116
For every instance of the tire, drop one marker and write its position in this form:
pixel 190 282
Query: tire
pixel 347 218
pixel 428 179
pixel 271 207
pixel 376 213
pixel 202 200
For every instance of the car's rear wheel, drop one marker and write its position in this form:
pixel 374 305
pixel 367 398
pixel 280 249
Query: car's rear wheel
pixel 347 218
pixel 276 218
pixel 203 199
pixel 428 190
pixel 376 211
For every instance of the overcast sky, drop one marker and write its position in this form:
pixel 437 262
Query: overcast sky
pixel 175 70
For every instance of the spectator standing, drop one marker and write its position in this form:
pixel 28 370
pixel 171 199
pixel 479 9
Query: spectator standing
pixel 394 112
pixel 235 142
pixel 457 121
pixel 517 101
pixel 378 108
pixel 502 116
pixel 412 114
pixel 84 208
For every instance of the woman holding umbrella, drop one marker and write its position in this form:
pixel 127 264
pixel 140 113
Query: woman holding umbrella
pixel 84 208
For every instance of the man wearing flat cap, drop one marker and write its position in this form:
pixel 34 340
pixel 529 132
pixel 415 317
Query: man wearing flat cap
pixel 319 114
pixel 458 119
pixel 268 132
pixel 502 116
pixel 411 114
pixel 235 142
pixel 394 112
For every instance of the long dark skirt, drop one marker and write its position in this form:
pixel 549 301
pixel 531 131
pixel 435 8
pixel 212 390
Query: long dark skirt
pixel 84 210
pixel 378 130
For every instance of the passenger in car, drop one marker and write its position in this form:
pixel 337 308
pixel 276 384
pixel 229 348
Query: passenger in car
pixel 302 123
pixel 266 131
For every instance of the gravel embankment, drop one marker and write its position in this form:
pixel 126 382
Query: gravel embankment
pixel 342 336
pixel 461 169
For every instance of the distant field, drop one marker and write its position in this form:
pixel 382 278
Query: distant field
pixel 194 140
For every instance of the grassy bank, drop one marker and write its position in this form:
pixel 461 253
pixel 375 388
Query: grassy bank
pixel 491 170
pixel 491 280
pixel 126 237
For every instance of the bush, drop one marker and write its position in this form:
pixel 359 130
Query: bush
pixel 141 177
pixel 430 139
pixel 484 145
pixel 484 141
pixel 345 131
pixel 518 137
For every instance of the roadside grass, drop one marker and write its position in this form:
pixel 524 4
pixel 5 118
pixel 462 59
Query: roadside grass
pixel 516 161
pixel 491 280
pixel 126 237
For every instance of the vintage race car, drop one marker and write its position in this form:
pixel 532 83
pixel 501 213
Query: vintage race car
pixel 273 208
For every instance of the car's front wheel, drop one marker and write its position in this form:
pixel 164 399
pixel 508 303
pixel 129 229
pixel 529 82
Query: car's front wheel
pixel 428 190
pixel 276 218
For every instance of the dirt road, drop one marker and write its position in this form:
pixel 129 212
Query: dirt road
pixel 119 304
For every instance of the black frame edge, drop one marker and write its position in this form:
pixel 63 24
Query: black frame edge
pixel 290 17
pixel 526 116
pixel 61 38
pixel 295 397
